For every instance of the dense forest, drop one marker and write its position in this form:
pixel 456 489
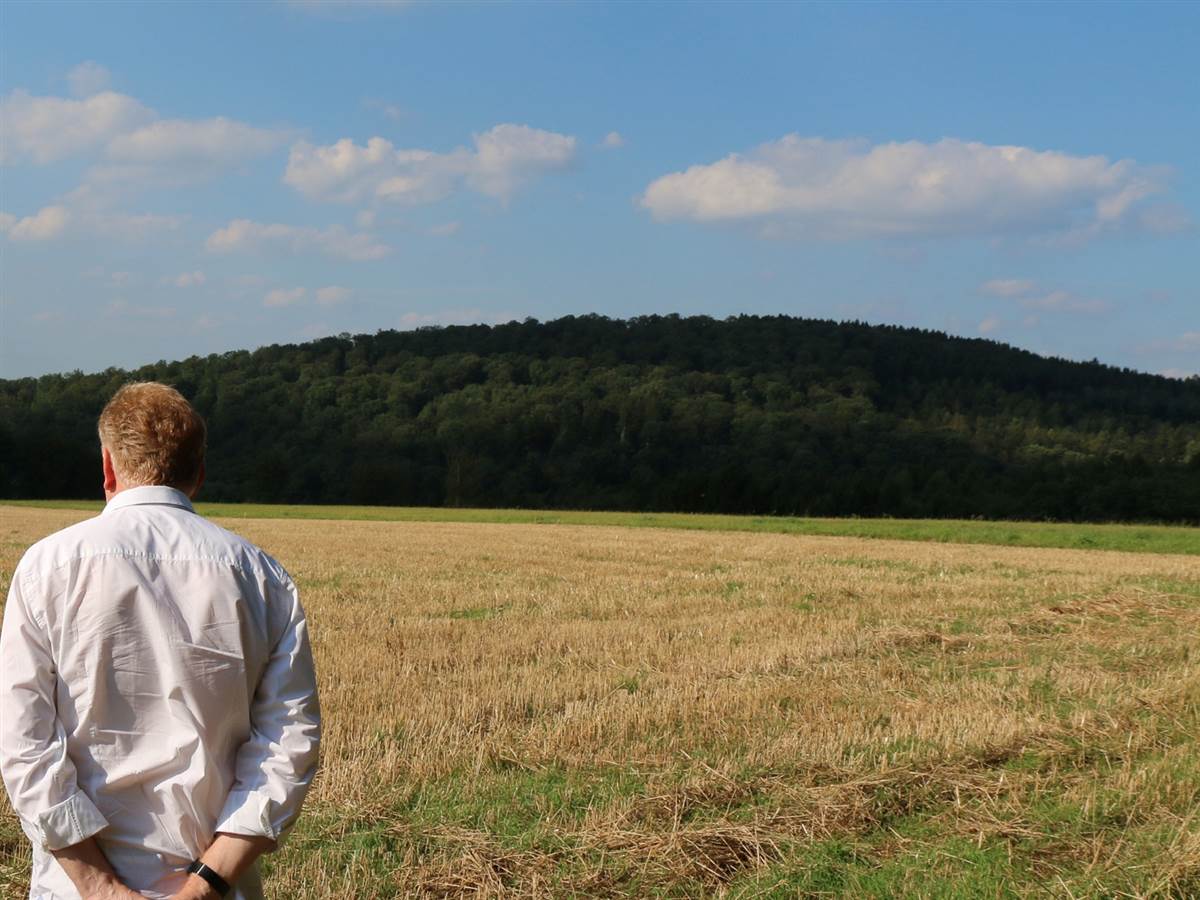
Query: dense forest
pixel 766 415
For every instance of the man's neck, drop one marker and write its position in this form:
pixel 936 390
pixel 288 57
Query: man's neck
pixel 120 487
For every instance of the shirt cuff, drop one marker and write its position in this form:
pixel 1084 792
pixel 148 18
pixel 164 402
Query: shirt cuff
pixel 247 813
pixel 74 820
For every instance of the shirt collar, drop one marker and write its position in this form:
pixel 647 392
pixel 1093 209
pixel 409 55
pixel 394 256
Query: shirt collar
pixel 150 494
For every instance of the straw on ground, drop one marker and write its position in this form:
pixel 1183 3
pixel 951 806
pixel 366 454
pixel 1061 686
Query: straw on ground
pixel 530 711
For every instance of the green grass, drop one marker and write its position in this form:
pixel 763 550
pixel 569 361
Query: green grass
pixel 952 869
pixel 519 808
pixel 1020 837
pixel 1174 539
pixel 476 613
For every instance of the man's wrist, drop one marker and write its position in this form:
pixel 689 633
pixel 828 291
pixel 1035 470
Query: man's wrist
pixel 107 890
pixel 210 875
pixel 196 888
pixel 90 872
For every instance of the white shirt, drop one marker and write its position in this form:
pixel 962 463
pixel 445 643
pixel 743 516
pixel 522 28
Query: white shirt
pixel 156 686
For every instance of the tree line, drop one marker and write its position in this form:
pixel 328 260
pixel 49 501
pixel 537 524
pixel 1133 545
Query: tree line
pixel 750 414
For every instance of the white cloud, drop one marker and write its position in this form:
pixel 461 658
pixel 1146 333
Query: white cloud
pixel 46 129
pixel 47 223
pixel 130 146
pixel 242 235
pixel 210 141
pixel 1028 295
pixel 190 279
pixel 178 151
pixel 990 324
pixel 344 172
pixel 284 296
pixel 508 155
pixel 1007 287
pixel 1064 301
pixel 446 229
pixel 333 295
pixel 612 141
pixel 504 158
pixel 125 308
pixel 830 189
pixel 365 219
pixel 88 78
pixel 1181 374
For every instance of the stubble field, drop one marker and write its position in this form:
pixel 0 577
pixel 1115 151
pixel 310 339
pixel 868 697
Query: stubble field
pixel 533 710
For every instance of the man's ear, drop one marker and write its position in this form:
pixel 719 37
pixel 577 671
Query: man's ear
pixel 110 472
pixel 199 483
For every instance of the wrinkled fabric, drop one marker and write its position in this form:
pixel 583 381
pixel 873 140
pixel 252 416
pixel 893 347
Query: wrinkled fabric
pixel 156 686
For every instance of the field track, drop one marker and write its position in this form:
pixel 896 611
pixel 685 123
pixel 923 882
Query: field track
pixel 516 710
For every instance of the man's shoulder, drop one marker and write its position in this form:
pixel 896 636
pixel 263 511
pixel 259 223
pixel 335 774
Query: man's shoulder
pixel 55 549
pixel 248 554
pixel 188 536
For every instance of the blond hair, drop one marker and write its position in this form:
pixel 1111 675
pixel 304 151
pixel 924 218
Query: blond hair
pixel 154 435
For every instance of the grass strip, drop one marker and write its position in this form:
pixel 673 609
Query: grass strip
pixel 1170 539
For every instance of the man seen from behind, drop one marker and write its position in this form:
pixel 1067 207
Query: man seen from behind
pixel 158 708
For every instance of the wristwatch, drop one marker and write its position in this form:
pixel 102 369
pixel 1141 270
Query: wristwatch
pixel 215 881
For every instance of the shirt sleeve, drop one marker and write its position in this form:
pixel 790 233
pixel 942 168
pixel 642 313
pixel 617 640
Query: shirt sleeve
pixel 276 764
pixel 38 773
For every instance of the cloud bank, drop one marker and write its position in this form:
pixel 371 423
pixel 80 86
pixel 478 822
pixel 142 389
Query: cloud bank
pixel 218 141
pixel 503 159
pixel 284 296
pixel 128 142
pixel 43 130
pixel 847 189
pixel 243 235
pixel 1007 287
pixel 1028 295
pixel 48 222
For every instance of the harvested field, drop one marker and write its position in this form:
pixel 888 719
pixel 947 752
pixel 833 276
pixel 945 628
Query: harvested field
pixel 525 710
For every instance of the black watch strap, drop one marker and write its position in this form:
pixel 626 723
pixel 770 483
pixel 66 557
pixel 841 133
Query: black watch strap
pixel 215 881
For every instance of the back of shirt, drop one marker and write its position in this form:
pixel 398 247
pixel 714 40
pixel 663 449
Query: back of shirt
pixel 171 658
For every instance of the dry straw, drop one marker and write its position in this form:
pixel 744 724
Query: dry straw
pixel 519 710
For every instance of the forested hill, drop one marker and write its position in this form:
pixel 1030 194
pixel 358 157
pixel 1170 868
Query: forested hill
pixel 749 414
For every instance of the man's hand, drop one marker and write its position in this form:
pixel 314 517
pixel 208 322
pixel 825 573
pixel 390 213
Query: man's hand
pixel 196 889
pixel 116 891
pixel 229 855
pixel 88 868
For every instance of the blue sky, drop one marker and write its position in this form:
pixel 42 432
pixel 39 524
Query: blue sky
pixel 184 179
